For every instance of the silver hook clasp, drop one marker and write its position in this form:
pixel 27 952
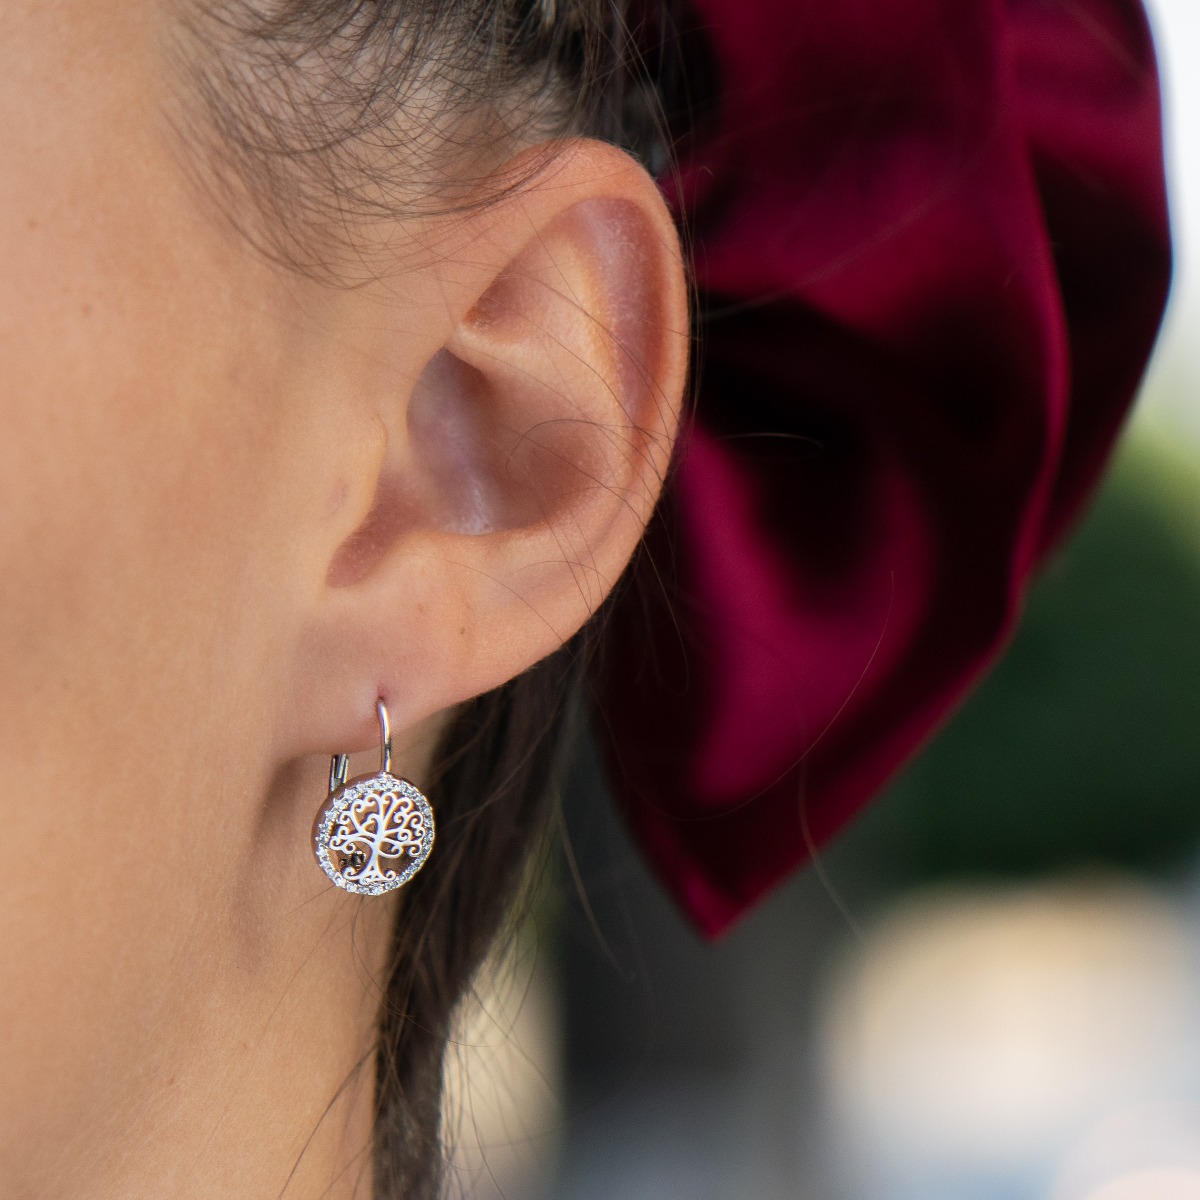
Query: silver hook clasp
pixel 339 765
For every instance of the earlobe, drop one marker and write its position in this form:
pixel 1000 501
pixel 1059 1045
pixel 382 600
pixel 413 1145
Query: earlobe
pixel 529 453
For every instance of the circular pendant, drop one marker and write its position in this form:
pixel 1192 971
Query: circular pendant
pixel 374 834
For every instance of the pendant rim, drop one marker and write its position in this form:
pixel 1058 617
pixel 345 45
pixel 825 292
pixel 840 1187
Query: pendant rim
pixel 340 800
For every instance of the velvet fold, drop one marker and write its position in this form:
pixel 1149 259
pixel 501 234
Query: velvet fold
pixel 931 254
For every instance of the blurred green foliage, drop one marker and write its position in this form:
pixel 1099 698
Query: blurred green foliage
pixel 1083 746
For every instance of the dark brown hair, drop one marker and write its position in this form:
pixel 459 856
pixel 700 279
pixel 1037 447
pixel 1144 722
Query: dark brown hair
pixel 329 113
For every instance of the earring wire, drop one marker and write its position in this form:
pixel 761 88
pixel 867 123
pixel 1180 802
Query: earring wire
pixel 339 765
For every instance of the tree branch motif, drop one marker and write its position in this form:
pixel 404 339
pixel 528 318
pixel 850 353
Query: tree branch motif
pixel 373 829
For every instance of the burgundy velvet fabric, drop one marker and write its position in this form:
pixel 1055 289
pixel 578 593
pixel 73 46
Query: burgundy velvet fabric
pixel 931 249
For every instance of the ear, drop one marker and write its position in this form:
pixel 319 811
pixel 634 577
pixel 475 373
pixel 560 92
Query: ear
pixel 527 387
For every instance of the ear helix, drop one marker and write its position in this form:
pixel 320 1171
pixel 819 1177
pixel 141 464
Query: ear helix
pixel 374 833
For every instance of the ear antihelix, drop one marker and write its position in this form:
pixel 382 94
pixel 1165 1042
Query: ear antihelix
pixel 559 383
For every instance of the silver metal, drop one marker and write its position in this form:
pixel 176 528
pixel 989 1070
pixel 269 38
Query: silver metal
pixel 385 738
pixel 339 765
pixel 373 833
pixel 339 768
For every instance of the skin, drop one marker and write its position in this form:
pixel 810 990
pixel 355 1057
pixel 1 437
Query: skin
pixel 237 506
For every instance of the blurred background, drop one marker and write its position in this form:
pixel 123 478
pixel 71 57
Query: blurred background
pixel 989 988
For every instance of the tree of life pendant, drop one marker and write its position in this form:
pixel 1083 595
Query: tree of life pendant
pixel 374 834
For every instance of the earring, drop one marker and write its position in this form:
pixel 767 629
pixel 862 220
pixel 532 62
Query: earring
pixel 374 833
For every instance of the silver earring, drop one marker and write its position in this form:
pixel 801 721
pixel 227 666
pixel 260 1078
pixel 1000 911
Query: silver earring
pixel 374 833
